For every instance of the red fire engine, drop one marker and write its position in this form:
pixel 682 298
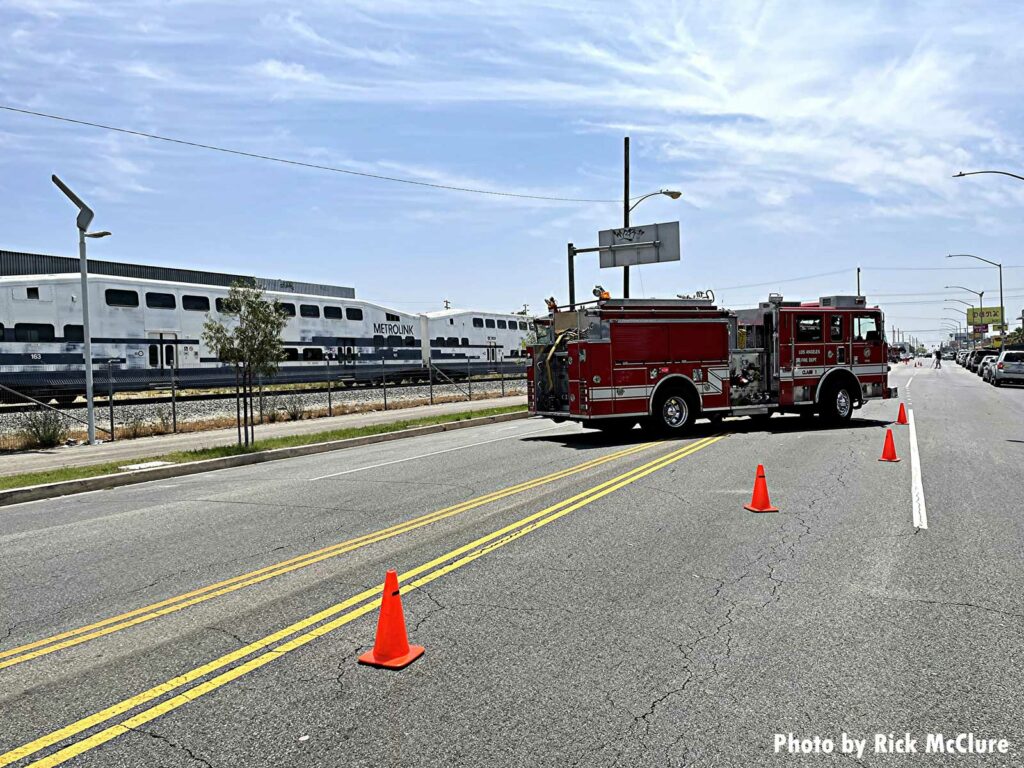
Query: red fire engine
pixel 667 362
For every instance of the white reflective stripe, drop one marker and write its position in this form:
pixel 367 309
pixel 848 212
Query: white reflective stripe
pixel 620 393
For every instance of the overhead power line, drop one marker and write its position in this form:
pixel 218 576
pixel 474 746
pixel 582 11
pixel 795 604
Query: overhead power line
pixel 302 164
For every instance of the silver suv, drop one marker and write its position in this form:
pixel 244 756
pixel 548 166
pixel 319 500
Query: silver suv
pixel 1008 368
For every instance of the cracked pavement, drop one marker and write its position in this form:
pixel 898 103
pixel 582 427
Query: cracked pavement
pixel 661 625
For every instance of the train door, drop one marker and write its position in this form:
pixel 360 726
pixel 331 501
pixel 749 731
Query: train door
pixel 162 350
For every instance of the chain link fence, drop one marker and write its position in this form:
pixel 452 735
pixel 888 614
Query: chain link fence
pixel 44 417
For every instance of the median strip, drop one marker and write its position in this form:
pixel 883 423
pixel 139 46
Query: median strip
pixel 413 579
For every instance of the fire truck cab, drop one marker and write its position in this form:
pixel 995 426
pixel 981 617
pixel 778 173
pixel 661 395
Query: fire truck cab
pixel 666 362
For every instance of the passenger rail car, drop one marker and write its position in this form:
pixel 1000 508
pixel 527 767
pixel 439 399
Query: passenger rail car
pixel 151 328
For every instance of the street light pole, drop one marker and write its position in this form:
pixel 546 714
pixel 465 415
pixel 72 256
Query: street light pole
pixel 625 211
pixel 85 217
pixel 1002 307
pixel 981 300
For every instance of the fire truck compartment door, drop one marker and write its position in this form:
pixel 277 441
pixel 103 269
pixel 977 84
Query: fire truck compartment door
pixel 836 334
pixel 868 347
pixel 807 343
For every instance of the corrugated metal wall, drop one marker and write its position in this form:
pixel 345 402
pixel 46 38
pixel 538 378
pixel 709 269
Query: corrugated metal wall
pixel 13 263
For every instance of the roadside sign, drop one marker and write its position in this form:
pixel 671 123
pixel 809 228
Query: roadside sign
pixel 644 244
pixel 984 315
pixel 981 329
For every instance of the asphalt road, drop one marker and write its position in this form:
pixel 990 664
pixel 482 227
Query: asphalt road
pixel 582 602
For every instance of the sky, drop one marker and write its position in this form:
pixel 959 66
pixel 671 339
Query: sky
pixel 806 138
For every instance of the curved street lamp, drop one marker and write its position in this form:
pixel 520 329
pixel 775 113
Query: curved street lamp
pixel 675 195
pixel 975 173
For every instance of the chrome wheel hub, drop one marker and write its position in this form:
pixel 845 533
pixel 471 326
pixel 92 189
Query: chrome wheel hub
pixel 675 411
pixel 843 403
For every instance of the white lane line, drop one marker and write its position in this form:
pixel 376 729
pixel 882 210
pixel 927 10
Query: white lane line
pixel 916 489
pixel 434 453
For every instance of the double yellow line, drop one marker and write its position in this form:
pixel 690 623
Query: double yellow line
pixel 146 613
pixel 301 633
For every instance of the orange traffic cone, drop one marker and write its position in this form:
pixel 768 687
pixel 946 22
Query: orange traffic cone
pixel 889 449
pixel 902 417
pixel 391 648
pixel 760 501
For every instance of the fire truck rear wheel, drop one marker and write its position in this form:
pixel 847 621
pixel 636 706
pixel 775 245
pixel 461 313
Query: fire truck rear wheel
pixel 674 412
pixel 837 404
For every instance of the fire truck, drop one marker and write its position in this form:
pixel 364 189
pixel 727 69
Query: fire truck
pixel 666 362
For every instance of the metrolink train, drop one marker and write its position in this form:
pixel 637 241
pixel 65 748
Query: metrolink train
pixel 146 325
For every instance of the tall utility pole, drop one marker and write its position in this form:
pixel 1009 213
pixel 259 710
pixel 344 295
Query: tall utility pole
pixel 625 210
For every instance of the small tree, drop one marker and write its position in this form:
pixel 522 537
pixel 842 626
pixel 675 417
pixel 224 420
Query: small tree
pixel 249 339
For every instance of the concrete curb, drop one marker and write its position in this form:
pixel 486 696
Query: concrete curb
pixel 103 482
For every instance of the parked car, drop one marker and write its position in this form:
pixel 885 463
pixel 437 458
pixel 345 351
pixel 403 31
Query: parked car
pixel 986 361
pixel 1008 369
pixel 977 355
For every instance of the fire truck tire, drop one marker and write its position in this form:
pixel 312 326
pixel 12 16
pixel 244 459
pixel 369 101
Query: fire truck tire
pixel 674 412
pixel 837 403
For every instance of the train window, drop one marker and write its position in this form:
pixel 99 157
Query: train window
pixel 33 332
pixel 378 341
pixel 220 304
pixel 410 341
pixel 489 323
pixel 392 318
pixel 512 353
pixel 808 328
pixel 503 325
pixel 523 326
pixel 333 313
pixel 117 297
pixel 288 309
pixel 312 353
pixel 195 303
pixel 309 310
pixel 291 354
pixel 32 293
pixel 394 341
pixel 451 321
pixel 452 341
pixel 438 342
pixel 351 313
pixel 161 301
pixel 169 354
pixel 74 333
pixel 465 342
pixel 154 355
pixel 478 322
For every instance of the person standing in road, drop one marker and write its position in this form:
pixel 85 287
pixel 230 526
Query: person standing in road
pixel 938 359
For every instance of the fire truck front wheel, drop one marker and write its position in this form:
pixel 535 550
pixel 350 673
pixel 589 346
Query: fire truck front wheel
pixel 674 412
pixel 837 403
